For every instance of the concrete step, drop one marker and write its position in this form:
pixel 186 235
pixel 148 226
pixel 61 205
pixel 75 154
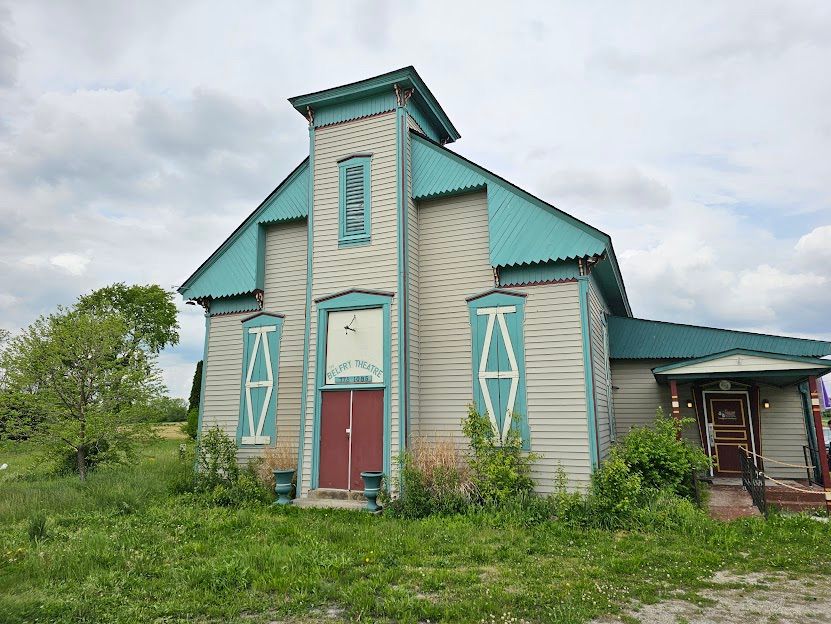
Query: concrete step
pixel 785 495
pixel 332 494
pixel 796 505
pixel 329 503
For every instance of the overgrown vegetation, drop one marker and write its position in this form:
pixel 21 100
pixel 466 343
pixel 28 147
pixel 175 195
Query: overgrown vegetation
pixel 120 547
pixel 434 479
pixel 660 457
pixel 219 478
pixel 645 481
pixel 500 470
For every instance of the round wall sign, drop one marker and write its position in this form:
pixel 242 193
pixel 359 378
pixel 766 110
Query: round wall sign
pixel 724 384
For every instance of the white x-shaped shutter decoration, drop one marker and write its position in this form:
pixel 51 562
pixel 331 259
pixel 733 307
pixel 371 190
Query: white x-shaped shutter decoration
pixel 497 314
pixel 255 435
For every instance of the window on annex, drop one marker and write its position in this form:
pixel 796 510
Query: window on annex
pixel 354 200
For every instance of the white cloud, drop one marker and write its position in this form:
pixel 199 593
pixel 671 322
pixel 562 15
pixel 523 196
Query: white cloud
pixel 74 264
pixel 71 263
pixel 816 244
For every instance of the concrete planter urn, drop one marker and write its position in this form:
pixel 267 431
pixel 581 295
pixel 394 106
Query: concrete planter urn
pixel 283 485
pixel 372 483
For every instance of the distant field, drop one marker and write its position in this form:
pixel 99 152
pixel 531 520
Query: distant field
pixel 122 548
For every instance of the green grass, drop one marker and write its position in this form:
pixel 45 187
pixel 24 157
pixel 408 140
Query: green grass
pixel 169 558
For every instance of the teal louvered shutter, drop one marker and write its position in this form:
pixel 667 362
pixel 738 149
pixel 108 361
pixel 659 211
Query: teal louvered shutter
pixel 258 391
pixel 354 200
pixel 497 342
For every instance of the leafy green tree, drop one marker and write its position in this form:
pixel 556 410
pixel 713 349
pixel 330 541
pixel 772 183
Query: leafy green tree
pixel 81 372
pixel 148 312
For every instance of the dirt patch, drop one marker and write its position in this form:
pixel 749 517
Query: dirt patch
pixel 757 598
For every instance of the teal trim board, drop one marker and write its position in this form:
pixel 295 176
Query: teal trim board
pixel 304 384
pixel 498 360
pixel 261 335
pixel 403 279
pixel 354 201
pixel 587 369
pixel 350 300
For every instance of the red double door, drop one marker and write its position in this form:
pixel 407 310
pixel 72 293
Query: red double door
pixel 351 437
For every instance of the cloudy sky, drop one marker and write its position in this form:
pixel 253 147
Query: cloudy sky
pixel 134 137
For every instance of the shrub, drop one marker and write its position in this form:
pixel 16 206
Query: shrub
pixel 191 426
pixel 219 478
pixel 246 489
pixel 283 456
pixel 499 471
pixel 216 460
pixel 660 458
pixel 615 492
pixel 433 480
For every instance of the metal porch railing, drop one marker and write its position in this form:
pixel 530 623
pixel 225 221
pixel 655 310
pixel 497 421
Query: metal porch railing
pixel 753 480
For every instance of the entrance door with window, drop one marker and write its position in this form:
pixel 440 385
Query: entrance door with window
pixel 351 437
pixel 730 428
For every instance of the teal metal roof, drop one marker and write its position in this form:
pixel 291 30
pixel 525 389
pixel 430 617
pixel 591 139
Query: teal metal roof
pixel 376 95
pixel 632 338
pixel 232 269
pixel 436 173
pixel 523 228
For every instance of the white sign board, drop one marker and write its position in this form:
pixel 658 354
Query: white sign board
pixel 355 347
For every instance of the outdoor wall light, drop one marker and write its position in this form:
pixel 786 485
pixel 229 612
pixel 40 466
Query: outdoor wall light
pixel 766 404
pixel 689 403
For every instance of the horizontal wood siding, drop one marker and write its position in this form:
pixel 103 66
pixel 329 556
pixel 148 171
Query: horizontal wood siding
pixel 373 266
pixel 636 397
pixel 783 432
pixel 597 311
pixel 454 264
pixel 285 292
pixel 223 375
pixel 556 386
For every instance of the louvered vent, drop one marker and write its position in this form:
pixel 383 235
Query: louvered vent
pixel 354 200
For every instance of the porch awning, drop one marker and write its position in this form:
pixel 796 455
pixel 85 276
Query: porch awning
pixel 775 369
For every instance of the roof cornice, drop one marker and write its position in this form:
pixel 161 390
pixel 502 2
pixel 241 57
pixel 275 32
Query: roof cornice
pixel 405 78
